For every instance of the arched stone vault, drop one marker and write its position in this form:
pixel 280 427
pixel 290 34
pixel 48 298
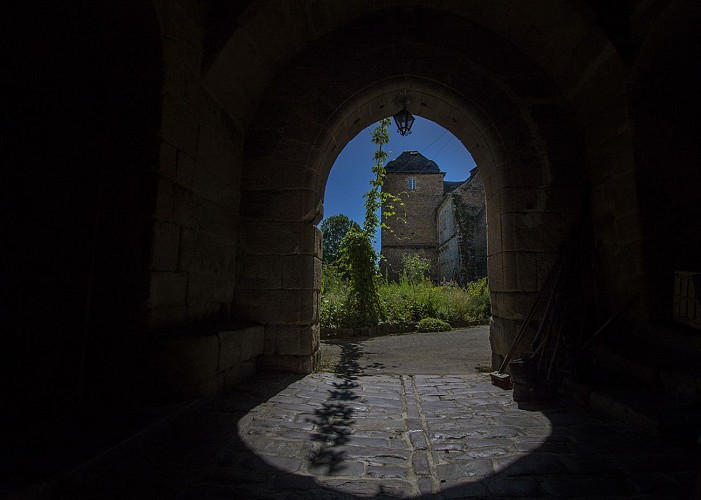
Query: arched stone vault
pixel 176 178
pixel 521 133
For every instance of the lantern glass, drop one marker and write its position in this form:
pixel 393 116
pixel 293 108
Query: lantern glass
pixel 404 120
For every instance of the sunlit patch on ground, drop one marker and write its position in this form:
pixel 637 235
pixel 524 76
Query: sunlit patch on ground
pixel 393 434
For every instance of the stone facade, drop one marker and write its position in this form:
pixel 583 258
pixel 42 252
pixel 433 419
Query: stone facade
pixel 418 183
pixel 441 221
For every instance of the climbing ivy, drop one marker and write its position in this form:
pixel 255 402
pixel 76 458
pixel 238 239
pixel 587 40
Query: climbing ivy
pixel 466 222
pixel 375 198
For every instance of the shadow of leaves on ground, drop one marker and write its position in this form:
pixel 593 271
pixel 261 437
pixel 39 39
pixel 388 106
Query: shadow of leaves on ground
pixel 334 419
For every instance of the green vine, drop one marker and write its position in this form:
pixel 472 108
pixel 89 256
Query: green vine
pixel 358 258
pixel 466 222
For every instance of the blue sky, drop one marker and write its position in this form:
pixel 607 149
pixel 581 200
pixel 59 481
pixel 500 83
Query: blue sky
pixel 350 174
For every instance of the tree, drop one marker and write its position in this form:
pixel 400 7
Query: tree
pixel 334 229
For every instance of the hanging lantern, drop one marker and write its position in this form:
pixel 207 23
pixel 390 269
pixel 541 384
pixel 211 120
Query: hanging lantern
pixel 404 120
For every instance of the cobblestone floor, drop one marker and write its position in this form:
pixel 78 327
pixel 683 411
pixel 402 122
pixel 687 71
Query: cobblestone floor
pixel 399 436
pixel 358 434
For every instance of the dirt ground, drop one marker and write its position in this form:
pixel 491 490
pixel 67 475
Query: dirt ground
pixel 460 351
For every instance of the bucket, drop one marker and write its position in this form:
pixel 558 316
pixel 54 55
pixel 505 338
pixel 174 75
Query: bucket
pixel 528 384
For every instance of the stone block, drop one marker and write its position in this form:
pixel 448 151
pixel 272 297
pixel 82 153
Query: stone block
pixel 208 186
pixel 566 198
pixel 502 333
pixel 279 205
pixel 544 266
pixel 294 340
pixel 521 199
pixel 167 288
pixel 495 271
pixel 202 293
pixel 217 155
pixel 179 126
pixel 187 207
pixel 185 170
pixel 513 305
pixel 292 364
pixel 166 246
pixel 268 237
pixel 239 346
pixel 165 316
pixel 262 271
pixel 253 340
pixel 168 161
pixel 527 272
pixel 301 272
pixel 509 271
pixel 165 201
pixel 318 243
pixel 531 232
pixel 267 173
pixel 293 307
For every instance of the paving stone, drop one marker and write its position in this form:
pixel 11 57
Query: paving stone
pixel 384 472
pixel 418 440
pixel 367 488
pixel 478 468
pixel 421 464
pixel 342 468
pixel 426 486
pixel 469 440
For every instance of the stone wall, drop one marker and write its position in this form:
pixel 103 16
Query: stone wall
pixel 462 238
pixel 199 184
pixel 413 228
pixel 448 242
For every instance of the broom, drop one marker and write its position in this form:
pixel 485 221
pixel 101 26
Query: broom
pixel 501 379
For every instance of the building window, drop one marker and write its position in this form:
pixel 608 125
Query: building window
pixel 411 183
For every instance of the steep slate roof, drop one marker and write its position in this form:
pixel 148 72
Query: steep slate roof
pixel 412 162
pixel 450 186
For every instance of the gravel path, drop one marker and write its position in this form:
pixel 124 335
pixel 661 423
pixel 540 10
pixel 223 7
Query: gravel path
pixel 460 351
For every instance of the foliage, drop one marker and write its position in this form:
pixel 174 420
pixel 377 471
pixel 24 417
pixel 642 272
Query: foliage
pixel 375 197
pixel 415 269
pixel 480 306
pixel 353 295
pixel 404 303
pixel 334 228
pixel 433 325
pixel 357 259
pixel 331 278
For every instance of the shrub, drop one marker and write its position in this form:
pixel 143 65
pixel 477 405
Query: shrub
pixel 357 260
pixel 479 305
pixel 415 269
pixel 433 325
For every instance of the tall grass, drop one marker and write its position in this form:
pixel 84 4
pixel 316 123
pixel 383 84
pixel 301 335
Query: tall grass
pixel 406 302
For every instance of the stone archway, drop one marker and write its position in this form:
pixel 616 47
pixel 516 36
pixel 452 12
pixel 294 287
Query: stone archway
pixel 521 134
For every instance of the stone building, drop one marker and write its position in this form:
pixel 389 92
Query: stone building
pixel 439 220
pixel 165 165
pixel 462 230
